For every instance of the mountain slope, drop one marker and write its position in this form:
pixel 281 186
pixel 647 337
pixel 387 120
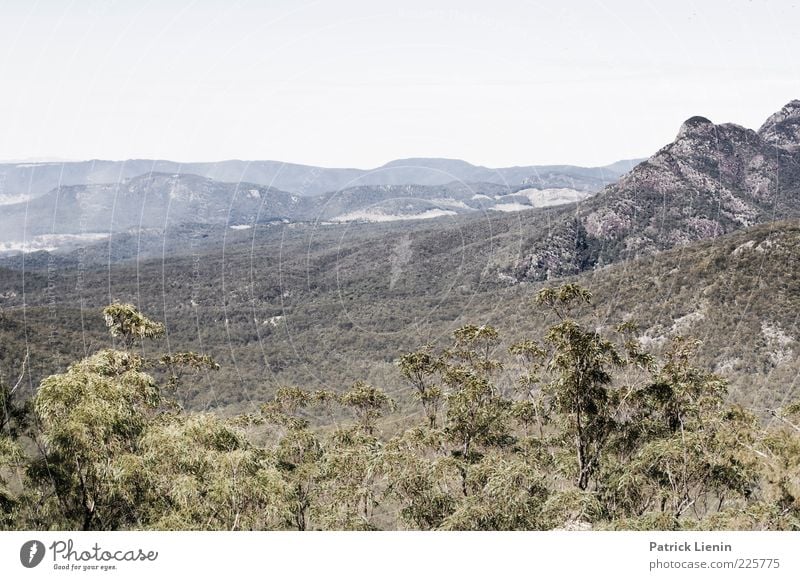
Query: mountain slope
pixel 322 307
pixel 148 201
pixel 783 128
pixel 713 179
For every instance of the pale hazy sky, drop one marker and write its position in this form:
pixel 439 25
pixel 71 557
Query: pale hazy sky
pixel 358 83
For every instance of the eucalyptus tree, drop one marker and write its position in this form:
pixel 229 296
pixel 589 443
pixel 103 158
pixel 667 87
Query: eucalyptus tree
pixel 201 473
pixel 422 477
pixel 351 474
pixel 125 322
pixel 471 472
pixel 581 362
pixel 116 452
pixel 91 420
pixel 14 422
pixel 180 364
pixel 684 453
pixel 298 452
pixel 90 423
pixel 778 505
pixel 367 403
pixel 10 456
pixel 420 369
pixel 507 491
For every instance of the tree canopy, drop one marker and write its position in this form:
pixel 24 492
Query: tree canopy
pixel 594 432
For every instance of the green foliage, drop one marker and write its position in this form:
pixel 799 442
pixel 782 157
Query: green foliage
pixel 419 473
pixel 563 299
pixel 476 414
pixel 350 471
pixel 580 364
pixel 506 492
pixel 572 509
pixel 14 422
pixel 14 413
pixel 298 457
pixel 367 403
pixel 780 465
pixel 199 473
pixel 419 368
pixel 594 432
pixel 124 321
pixel 180 364
pixel 10 455
pixel 91 419
pixel 473 346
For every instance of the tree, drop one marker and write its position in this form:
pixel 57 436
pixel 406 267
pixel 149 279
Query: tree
pixel 507 492
pixel 777 505
pixel 350 470
pixel 419 368
pixel 367 403
pixel 476 414
pixel 91 420
pixel 182 363
pixel 14 414
pixel 14 422
pixel 473 347
pixel 581 363
pixel 199 472
pixel 298 453
pixel 476 418
pixel 419 470
pixel 683 449
pixel 124 321
pixel 115 453
pixel 10 454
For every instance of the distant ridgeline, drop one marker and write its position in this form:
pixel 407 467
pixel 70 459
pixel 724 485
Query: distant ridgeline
pixel 58 206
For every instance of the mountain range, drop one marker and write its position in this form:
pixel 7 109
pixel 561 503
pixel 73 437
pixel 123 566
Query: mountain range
pixel 711 180
pixel 33 179
pixel 699 239
pixel 106 202
pixel 79 214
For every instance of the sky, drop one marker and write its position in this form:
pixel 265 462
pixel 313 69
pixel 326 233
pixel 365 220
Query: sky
pixel 359 83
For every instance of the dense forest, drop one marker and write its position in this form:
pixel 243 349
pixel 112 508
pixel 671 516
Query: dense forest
pixel 596 433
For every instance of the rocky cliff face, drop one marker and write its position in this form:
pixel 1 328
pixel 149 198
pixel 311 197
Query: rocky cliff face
pixel 711 180
pixel 783 128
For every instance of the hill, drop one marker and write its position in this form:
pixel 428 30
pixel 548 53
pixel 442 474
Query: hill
pixel 711 180
pixel 79 215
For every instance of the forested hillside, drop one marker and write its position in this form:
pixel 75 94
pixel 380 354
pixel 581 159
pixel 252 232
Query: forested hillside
pixel 594 433
pixel 322 307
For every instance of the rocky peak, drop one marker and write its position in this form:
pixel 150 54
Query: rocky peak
pixel 699 128
pixel 783 128
pixel 713 179
pixel 696 127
